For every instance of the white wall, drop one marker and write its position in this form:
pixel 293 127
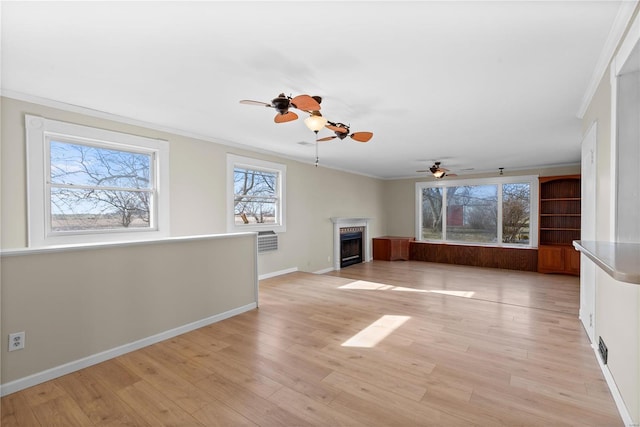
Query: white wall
pixel 198 191
pixel 617 303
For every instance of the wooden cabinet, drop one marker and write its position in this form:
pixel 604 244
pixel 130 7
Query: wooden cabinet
pixel 559 224
pixel 550 259
pixel 572 261
pixel 391 248
pixel 558 259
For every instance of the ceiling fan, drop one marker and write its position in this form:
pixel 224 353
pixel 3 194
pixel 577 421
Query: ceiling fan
pixel 342 131
pixel 437 171
pixel 315 122
pixel 283 103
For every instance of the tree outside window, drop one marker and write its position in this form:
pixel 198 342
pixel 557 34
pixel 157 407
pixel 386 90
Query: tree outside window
pixel 472 213
pixel 97 188
pixel 91 186
pixel 432 213
pixel 255 196
pixel 490 211
pixel 516 213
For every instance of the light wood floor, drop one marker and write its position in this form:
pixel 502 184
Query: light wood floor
pixel 376 344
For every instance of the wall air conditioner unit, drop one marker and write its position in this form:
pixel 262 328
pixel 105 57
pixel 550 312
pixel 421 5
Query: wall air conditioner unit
pixel 267 241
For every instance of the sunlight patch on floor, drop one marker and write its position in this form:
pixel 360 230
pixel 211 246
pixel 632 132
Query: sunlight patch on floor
pixel 373 286
pixel 464 294
pixel 377 331
pixel 363 284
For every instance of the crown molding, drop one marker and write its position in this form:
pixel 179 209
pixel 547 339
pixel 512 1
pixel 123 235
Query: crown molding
pixel 72 108
pixel 620 23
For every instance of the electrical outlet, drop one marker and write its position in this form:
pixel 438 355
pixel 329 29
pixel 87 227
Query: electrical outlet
pixel 16 341
pixel 329 258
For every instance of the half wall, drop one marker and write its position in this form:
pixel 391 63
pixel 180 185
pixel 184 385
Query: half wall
pixel 81 305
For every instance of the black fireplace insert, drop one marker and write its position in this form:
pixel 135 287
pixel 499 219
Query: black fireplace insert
pixel 350 248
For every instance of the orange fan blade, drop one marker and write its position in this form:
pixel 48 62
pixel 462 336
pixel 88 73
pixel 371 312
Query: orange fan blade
pixel 362 136
pixel 326 138
pixel 249 102
pixel 286 117
pixel 337 128
pixel 306 103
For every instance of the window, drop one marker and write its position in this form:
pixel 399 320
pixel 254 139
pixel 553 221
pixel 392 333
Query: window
pixel 431 228
pixel 471 213
pixel 516 213
pixel 90 185
pixel 494 212
pixel 256 194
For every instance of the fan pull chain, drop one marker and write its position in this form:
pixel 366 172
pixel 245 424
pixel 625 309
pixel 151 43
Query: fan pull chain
pixel 317 158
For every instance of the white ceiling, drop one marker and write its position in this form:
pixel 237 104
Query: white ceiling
pixel 477 85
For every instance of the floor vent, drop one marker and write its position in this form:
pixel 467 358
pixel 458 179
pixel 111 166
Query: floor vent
pixel 604 351
pixel 267 241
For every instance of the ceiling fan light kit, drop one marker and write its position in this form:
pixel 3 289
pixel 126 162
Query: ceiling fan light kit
pixel 315 122
pixel 437 171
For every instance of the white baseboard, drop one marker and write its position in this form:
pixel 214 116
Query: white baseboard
pixel 76 365
pixel 615 393
pixel 325 270
pixel 277 273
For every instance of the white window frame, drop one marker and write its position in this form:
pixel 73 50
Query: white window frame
pixel 532 180
pixel 234 161
pixel 39 131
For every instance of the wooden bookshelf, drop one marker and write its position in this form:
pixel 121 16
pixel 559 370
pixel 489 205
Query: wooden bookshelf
pixel 559 224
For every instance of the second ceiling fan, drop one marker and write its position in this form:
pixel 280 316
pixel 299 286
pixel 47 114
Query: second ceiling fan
pixel 437 171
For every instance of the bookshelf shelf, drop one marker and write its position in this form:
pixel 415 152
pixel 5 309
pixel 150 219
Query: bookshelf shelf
pixel 559 224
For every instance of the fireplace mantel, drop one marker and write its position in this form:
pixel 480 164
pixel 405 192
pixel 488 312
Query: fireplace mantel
pixel 349 221
pixel 339 222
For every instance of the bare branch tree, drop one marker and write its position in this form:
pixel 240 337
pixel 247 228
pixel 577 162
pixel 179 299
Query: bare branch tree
pixel 515 212
pixel 255 194
pixel 99 186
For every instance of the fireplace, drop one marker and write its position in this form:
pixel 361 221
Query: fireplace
pixel 350 246
pixel 346 226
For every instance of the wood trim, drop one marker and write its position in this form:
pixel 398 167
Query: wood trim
pixel 524 259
